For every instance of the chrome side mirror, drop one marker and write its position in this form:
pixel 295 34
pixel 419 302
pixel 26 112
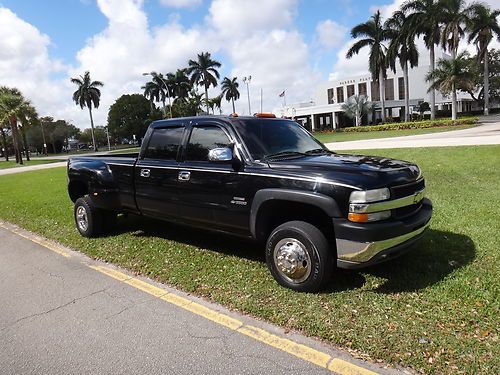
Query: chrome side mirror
pixel 220 154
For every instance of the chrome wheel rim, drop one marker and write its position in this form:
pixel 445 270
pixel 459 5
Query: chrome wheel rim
pixel 82 218
pixel 292 260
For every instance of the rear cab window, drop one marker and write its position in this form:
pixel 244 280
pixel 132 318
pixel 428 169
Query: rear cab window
pixel 164 143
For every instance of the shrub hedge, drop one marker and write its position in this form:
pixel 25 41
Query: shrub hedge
pixel 413 125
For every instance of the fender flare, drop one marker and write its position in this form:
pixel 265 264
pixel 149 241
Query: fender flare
pixel 325 203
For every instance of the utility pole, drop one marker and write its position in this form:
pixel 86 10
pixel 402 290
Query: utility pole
pixel 261 99
pixel 247 80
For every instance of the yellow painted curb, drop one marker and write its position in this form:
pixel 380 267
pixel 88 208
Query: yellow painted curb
pixel 301 351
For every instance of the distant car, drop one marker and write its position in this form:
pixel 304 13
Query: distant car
pixel 83 146
pixel 263 178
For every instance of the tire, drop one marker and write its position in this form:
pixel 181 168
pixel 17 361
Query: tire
pixel 299 256
pixel 89 220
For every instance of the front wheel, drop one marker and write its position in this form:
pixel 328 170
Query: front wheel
pixel 298 256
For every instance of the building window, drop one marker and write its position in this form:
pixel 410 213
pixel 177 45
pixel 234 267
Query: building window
pixel 330 96
pixel 389 89
pixel 375 91
pixel 362 89
pixel 340 94
pixel 401 88
pixel 350 91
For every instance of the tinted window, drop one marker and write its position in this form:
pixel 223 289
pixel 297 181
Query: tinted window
pixel 266 137
pixel 164 143
pixel 203 139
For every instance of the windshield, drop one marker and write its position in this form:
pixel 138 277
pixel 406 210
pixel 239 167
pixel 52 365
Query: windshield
pixel 268 138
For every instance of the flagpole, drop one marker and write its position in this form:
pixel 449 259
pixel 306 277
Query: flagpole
pixel 261 100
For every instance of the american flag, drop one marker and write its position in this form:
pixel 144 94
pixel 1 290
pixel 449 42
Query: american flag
pixel 282 94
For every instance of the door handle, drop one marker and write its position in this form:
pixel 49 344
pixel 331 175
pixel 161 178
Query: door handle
pixel 184 176
pixel 145 172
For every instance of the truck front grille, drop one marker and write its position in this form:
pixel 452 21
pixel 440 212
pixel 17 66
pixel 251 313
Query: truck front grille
pixel 402 191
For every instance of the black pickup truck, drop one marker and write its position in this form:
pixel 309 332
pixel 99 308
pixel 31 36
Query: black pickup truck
pixel 263 178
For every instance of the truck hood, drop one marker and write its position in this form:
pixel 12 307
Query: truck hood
pixel 361 171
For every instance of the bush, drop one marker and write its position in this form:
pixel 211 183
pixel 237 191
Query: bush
pixel 413 125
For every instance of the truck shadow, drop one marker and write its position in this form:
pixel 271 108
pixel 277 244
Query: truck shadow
pixel 434 257
pixel 218 242
pixel 430 260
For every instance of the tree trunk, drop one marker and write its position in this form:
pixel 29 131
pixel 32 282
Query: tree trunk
pixel 407 91
pixel 234 110
pixel 25 144
pixel 433 92
pixel 486 90
pixel 4 144
pixel 206 98
pixel 381 81
pixel 92 128
pixel 454 102
pixel 16 140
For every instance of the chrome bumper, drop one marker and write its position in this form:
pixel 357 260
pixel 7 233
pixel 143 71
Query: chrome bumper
pixel 361 252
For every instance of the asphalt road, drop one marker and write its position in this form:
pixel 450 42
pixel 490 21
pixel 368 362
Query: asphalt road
pixel 60 316
pixel 486 134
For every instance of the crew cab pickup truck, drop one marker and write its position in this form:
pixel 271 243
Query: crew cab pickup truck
pixel 264 178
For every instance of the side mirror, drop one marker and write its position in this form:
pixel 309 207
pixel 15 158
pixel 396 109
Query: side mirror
pixel 222 154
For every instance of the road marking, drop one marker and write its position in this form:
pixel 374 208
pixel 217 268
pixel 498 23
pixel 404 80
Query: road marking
pixel 301 351
pixel 304 352
pixel 38 240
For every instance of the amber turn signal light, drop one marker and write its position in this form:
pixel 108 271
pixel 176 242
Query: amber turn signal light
pixel 358 218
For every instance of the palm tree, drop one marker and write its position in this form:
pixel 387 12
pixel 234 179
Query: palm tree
pixel 402 47
pixel 216 102
pixel 27 116
pixel 86 95
pixel 180 84
pixel 204 72
pixel 454 18
pixel 449 75
pixel 424 18
pixel 356 106
pixel 230 90
pixel 12 103
pixel 483 26
pixel 374 35
pixel 156 90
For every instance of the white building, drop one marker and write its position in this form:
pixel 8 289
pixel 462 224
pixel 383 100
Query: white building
pixel 325 112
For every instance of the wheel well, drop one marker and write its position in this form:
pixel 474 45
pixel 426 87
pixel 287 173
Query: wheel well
pixel 273 213
pixel 77 189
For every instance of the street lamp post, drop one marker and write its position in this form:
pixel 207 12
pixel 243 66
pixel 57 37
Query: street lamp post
pixel 154 74
pixel 107 135
pixel 44 142
pixel 247 80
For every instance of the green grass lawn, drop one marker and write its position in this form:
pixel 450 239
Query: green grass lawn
pixel 12 163
pixel 327 137
pixel 435 310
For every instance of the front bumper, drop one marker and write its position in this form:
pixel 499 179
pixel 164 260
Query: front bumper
pixel 362 245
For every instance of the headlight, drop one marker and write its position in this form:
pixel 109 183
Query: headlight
pixel 366 196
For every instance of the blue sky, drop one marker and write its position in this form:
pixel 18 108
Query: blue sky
pixel 69 23
pixel 291 45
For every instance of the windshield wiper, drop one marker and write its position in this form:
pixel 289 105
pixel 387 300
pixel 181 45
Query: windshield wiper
pixel 318 151
pixel 285 154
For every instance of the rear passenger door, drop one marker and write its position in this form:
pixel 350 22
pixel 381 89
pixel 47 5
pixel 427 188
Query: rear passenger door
pixel 156 173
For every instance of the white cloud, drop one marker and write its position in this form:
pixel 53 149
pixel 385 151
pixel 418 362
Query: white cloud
pixel 180 3
pixel 237 18
pixel 330 34
pixel 25 62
